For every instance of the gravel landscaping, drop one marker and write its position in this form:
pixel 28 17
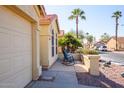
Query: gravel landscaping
pixel 109 77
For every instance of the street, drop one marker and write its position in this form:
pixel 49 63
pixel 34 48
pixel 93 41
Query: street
pixel 113 57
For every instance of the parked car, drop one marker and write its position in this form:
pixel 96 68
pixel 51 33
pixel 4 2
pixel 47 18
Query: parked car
pixel 103 48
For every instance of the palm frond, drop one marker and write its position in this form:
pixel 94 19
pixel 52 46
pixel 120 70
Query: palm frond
pixel 83 17
pixel 113 16
pixel 76 12
pixel 117 14
pixel 71 17
pixel 82 13
pixel 73 12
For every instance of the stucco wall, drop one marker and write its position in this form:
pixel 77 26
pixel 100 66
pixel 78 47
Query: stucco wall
pixel 54 27
pixel 44 45
pixel 121 46
pixel 91 63
pixel 46 41
pixel 29 9
pixel 111 45
pixel 39 66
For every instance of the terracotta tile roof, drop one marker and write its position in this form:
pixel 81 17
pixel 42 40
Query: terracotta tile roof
pixel 52 17
pixel 48 19
pixel 120 39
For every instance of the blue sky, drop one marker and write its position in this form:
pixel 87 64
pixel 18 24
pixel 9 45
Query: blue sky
pixel 98 18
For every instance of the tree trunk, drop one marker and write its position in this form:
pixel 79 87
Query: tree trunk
pixel 116 34
pixel 77 26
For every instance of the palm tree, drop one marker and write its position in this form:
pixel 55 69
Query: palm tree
pixel 116 15
pixel 75 14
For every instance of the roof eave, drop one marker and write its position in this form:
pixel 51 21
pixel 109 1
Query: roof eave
pixel 43 12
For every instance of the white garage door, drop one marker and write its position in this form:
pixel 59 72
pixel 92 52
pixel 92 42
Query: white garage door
pixel 15 50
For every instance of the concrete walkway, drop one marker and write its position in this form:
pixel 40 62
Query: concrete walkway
pixel 65 77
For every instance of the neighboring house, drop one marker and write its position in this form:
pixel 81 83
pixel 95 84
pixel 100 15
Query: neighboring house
pixel 60 35
pixel 98 44
pixel 48 40
pixel 19 44
pixel 111 44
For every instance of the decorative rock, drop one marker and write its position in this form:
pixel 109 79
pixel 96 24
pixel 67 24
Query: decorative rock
pixel 107 64
pixel 122 74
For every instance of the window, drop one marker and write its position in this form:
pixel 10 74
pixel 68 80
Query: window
pixel 56 44
pixel 52 43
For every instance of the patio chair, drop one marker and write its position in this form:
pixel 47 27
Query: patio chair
pixel 68 57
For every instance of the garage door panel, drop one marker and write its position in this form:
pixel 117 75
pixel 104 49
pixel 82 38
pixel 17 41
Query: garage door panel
pixel 5 63
pixel 8 42
pixel 9 19
pixel 6 69
pixel 22 62
pixel 4 39
pixel 23 79
pixel 18 63
pixel 17 80
pixel 15 49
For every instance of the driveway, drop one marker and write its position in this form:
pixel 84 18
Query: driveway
pixel 65 77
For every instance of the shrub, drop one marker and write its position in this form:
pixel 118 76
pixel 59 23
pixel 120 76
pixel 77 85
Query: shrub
pixel 79 50
pixel 88 51
pixel 70 41
pixel 93 52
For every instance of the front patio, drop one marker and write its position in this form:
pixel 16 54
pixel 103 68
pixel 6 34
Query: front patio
pixel 76 76
pixel 65 77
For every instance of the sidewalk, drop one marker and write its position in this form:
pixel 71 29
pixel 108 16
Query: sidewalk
pixel 119 52
pixel 65 77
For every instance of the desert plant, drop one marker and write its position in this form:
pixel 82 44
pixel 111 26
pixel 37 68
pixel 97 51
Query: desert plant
pixel 104 38
pixel 70 41
pixel 90 39
pixel 89 51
